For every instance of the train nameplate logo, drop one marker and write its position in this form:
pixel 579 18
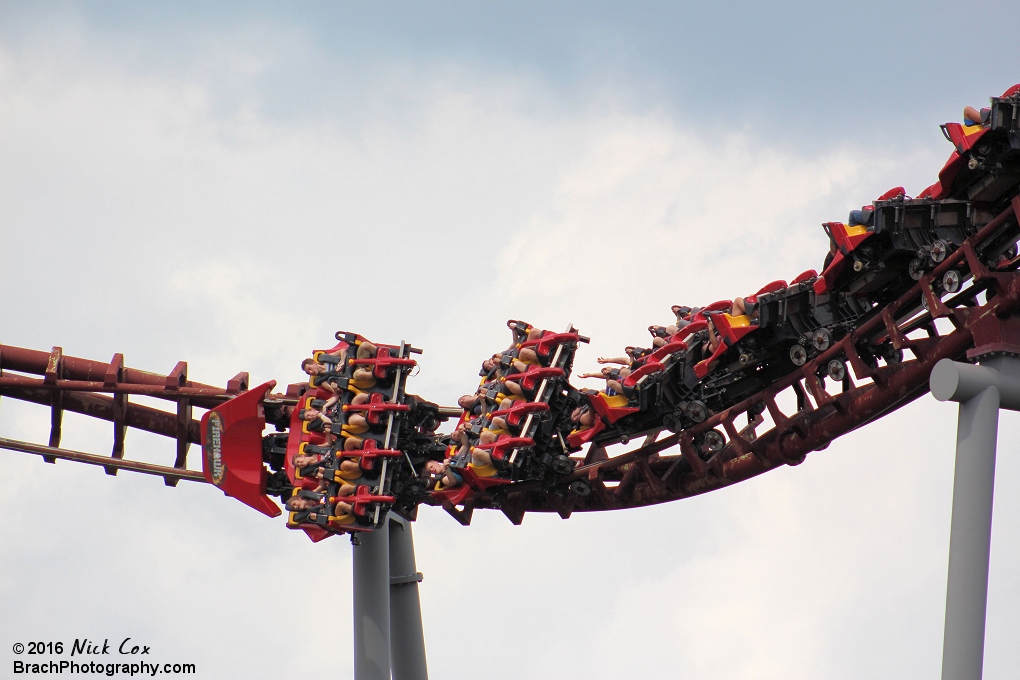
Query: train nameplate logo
pixel 213 449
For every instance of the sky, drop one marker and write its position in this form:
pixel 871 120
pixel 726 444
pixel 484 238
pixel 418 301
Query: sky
pixel 230 183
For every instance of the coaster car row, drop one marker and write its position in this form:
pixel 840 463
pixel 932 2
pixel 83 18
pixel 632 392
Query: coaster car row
pixel 344 435
pixel 513 427
pixel 347 440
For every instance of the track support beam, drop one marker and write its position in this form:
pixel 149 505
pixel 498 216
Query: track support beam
pixel 388 635
pixel 407 639
pixel 981 391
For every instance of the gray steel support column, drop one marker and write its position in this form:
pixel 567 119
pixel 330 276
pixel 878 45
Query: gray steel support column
pixel 980 390
pixel 407 640
pixel 372 604
pixel 970 538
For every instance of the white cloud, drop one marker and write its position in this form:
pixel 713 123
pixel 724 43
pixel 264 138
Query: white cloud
pixel 149 214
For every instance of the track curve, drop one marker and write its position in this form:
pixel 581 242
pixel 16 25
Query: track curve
pixel 923 319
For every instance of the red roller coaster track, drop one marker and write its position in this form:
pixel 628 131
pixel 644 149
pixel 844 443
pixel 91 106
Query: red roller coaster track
pixel 926 324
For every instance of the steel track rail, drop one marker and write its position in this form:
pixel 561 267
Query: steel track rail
pixel 102 390
pixel 51 452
